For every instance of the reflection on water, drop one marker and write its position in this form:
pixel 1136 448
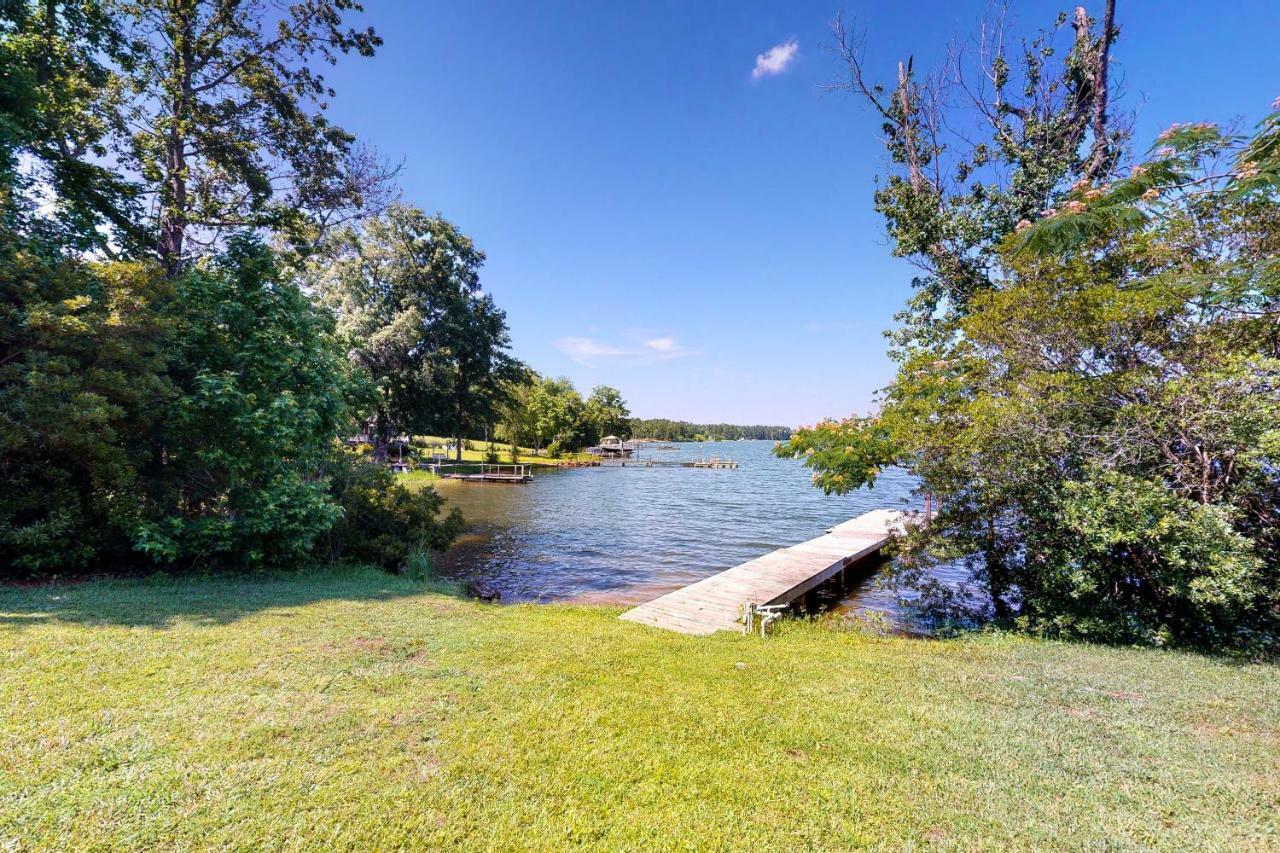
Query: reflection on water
pixel 625 535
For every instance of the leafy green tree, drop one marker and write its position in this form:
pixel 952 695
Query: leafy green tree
pixel 555 410
pixel 1087 374
pixel 261 394
pixel 82 346
pixel 83 352
pixel 59 110
pixel 210 113
pixel 1103 427
pixel 607 413
pixel 175 405
pixel 470 369
pixel 515 421
pixel 406 290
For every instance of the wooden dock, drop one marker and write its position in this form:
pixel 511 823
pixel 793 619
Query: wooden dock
pixel 779 577
pixel 646 462
pixel 486 473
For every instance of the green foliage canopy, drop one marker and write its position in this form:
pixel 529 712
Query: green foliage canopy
pixel 607 413
pixel 260 393
pixel 1099 418
pixel 406 291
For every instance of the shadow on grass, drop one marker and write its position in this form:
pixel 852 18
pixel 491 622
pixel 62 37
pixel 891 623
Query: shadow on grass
pixel 160 601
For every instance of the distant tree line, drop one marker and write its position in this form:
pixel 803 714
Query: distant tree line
pixel 669 430
pixel 549 414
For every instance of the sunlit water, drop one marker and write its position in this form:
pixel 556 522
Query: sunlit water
pixel 625 535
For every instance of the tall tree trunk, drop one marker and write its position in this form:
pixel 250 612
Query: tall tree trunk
pixel 173 224
pixel 1100 157
pixel 380 433
pixel 910 142
pixel 173 210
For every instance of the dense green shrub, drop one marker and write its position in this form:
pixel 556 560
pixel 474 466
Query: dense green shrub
pixel 183 423
pixel 82 384
pixel 1139 563
pixel 383 522
pixel 261 391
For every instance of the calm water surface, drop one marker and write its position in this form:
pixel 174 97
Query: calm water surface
pixel 625 535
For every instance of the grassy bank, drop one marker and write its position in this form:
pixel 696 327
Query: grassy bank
pixel 417 479
pixel 474 451
pixel 360 710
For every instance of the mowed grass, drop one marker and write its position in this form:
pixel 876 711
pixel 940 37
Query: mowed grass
pixel 416 480
pixel 351 709
pixel 474 451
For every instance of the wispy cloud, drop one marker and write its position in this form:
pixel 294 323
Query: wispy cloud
pixel 776 59
pixel 667 346
pixel 592 351
pixel 584 349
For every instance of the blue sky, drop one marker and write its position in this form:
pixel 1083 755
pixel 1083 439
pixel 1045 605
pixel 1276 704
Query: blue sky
pixel 660 217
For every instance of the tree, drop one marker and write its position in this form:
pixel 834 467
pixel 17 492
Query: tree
pixel 225 111
pixel 83 356
pixel 471 370
pixel 170 406
pixel 1097 415
pixel 1102 431
pixel 59 110
pixel 555 410
pixel 82 346
pixel 406 291
pixel 515 420
pixel 990 139
pixel 261 394
pixel 608 413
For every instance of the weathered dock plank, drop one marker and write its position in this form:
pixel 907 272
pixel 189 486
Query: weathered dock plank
pixel 779 577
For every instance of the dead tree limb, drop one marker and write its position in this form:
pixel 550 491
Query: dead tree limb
pixel 1100 157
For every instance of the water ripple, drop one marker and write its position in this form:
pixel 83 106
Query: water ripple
pixel 627 534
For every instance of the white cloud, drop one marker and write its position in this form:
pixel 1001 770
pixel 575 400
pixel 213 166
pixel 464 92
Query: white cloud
pixel 662 345
pixel 591 351
pixel 776 59
pixel 583 349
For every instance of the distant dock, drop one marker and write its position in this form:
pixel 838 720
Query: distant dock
pixel 484 473
pixel 718 603
pixel 713 462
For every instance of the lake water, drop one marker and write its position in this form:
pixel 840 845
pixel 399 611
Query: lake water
pixel 625 535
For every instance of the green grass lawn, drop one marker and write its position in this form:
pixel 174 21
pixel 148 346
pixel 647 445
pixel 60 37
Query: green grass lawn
pixel 415 480
pixel 356 710
pixel 474 451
